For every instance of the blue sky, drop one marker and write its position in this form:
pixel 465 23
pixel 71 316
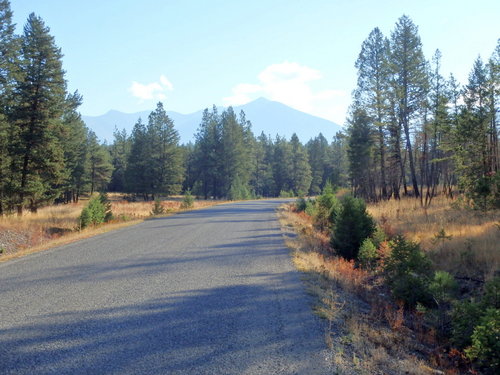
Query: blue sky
pixel 127 55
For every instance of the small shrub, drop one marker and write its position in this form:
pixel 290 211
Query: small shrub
pixel 158 208
pixel 327 208
pixel 491 296
pixel 352 226
pixel 188 200
pixel 464 316
pixel 443 287
pixel 408 272
pixel 368 255
pixel 378 236
pixel 485 348
pixel 300 204
pixel 239 191
pixel 108 214
pixel 310 207
pixel 286 194
pixel 93 214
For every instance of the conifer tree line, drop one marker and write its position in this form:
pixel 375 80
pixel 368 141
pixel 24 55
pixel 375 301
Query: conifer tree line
pixel 412 131
pixel 46 151
pixel 226 160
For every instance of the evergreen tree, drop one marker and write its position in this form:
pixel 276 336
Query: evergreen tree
pixel 235 156
pixel 136 173
pixel 120 150
pixel 300 178
pixel 38 160
pixel 282 165
pixel 74 141
pixel 207 150
pixel 262 179
pixel 165 165
pixel 409 82
pixel 338 160
pixel 318 152
pixel 8 67
pixel 360 155
pixel 99 164
pixel 371 93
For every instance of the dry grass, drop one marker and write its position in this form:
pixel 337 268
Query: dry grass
pixel 365 336
pixel 471 249
pixel 56 225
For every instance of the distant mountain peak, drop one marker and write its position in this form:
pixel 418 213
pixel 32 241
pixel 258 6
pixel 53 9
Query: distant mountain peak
pixel 271 117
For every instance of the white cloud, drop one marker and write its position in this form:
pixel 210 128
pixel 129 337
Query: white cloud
pixel 151 91
pixel 290 84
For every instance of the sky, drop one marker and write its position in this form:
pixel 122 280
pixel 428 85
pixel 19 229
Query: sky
pixel 127 55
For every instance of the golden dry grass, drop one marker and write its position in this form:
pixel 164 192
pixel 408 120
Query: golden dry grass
pixel 58 224
pixel 472 247
pixel 363 338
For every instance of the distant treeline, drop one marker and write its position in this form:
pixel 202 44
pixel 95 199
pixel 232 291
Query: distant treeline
pixel 226 160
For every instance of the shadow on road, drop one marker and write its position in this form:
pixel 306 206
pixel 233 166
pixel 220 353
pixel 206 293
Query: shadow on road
pixel 195 334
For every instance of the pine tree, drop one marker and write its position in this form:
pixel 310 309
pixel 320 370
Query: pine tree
pixel 372 91
pixel 409 82
pixel 360 155
pixel 38 159
pixel 99 164
pixel 207 150
pixel 137 163
pixel 165 164
pixel 300 178
pixel 74 141
pixel 318 152
pixel 8 68
pixel 120 150
pixel 338 160
pixel 282 165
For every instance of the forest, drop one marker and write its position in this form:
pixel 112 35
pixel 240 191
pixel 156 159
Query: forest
pixel 410 132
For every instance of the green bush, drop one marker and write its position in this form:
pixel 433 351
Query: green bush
pixel 327 208
pixel 108 214
pixel 93 214
pixel 485 348
pixel 464 316
pixel 378 236
pixel 351 226
pixel 286 194
pixel 239 191
pixel 188 200
pixel 300 204
pixel 408 272
pixel 367 255
pixel 491 296
pixel 310 207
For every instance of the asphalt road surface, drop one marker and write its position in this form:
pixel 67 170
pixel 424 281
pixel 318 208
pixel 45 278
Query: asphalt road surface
pixel 211 291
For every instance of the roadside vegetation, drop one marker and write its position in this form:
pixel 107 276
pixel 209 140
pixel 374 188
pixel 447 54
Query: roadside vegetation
pixel 406 289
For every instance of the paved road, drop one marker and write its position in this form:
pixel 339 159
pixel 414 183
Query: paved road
pixel 203 292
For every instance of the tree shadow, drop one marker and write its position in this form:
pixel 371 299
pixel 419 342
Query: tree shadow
pixel 226 330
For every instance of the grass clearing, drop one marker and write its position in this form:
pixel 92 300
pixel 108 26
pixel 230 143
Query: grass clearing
pixel 461 241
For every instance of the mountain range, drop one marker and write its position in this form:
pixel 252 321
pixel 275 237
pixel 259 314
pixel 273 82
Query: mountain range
pixel 272 118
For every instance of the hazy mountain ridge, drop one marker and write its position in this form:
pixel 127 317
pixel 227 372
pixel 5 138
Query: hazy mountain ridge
pixel 266 116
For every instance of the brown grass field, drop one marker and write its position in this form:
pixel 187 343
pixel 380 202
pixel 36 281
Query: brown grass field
pixel 58 224
pixel 469 245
